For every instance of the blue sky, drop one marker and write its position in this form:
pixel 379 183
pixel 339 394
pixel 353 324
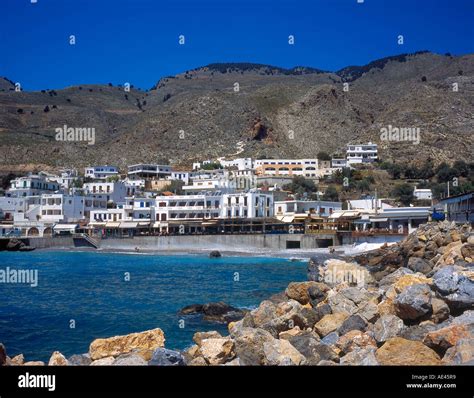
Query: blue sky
pixel 136 41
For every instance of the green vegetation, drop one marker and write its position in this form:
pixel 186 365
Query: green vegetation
pixel 404 193
pixel 300 186
pixel 211 166
pixel 175 186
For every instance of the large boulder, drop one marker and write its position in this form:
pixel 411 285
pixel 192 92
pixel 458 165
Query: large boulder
pixel 281 352
pixel 107 361
pixel 417 264
pixel 57 359
pixel 355 339
pixel 166 357
pixel 351 301
pixel 218 312
pixel 215 254
pixel 442 339
pixel 360 357
pixel 79 360
pixel 354 322
pixel 329 323
pixel 461 353
pixel 200 336
pixel 399 351
pixel 314 351
pixel 130 359
pixel 314 270
pixel 414 302
pixel 410 279
pixel 455 286
pixel 339 271
pixel 144 343
pixel 299 291
pixel 17 360
pixel 386 327
pixel 249 345
pixel 440 310
pixel 217 351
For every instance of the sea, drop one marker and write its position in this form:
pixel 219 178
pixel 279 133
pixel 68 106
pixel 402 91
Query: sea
pixel 83 295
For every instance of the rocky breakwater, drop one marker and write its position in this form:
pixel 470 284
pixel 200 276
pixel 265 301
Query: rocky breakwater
pixel 407 304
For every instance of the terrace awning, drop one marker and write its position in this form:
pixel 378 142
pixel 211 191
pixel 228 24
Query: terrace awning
pixel 112 225
pixel 144 223
pixel 65 227
pixel 128 224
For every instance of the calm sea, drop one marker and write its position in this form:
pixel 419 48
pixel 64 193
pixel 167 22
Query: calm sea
pixel 91 291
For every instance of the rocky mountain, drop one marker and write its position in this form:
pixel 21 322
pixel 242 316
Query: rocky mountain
pixel 248 109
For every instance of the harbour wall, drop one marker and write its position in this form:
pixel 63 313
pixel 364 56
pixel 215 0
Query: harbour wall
pixel 221 242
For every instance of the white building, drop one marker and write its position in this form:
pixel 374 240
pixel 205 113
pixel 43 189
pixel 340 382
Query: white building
pixel 368 205
pixel 144 170
pixel 361 153
pixel 240 163
pixel 100 172
pixel 422 194
pixel 284 210
pixel 287 167
pixel 109 191
pixel 56 208
pixel 338 163
pixel 134 186
pixel 247 205
pixel 31 185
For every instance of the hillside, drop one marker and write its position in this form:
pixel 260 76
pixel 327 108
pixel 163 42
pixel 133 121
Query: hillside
pixel 276 112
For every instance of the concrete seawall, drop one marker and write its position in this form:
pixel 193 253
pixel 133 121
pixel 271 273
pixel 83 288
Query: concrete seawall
pixel 220 242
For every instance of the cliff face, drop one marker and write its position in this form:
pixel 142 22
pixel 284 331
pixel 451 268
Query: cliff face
pixel 206 112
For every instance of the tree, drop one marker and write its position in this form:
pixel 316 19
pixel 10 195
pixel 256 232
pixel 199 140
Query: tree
pixel 404 193
pixel 175 186
pixel 300 185
pixel 211 166
pixel 46 108
pixel 461 168
pixel 445 173
pixel 331 194
pixel 323 156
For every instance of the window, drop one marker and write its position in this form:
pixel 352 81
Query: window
pixel 245 201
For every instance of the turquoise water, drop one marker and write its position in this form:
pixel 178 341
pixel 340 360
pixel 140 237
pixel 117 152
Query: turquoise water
pixel 90 289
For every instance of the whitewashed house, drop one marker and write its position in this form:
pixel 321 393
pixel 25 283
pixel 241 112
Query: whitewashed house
pixel 101 172
pixel 109 191
pixel 361 153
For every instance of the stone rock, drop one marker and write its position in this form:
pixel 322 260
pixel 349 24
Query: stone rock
pixel 317 294
pixel 219 312
pixel 418 332
pixel 354 322
pixel 299 291
pixel 386 307
pixel 281 353
pixel 312 349
pixel 456 287
pixel 3 355
pixel 360 357
pixel 166 357
pixel 353 301
pixel 79 360
pixel 392 278
pixel 450 254
pixel 34 363
pixel 57 359
pixel 217 351
pixel 234 362
pixel 215 254
pixel 338 271
pixel 200 336
pixel 287 334
pixel 249 345
pixel 14 244
pixel 399 351
pixel 130 359
pixel 330 323
pixel 191 353
pixel 327 363
pixel 440 310
pixel 413 302
pixel 442 339
pixel 330 339
pixel 417 264
pixel 144 343
pixel 107 361
pixel 461 353
pixel 467 251
pixel 355 339
pixel 408 280
pixel 314 271
pixel 198 361
pixel 17 360
pixel 386 327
